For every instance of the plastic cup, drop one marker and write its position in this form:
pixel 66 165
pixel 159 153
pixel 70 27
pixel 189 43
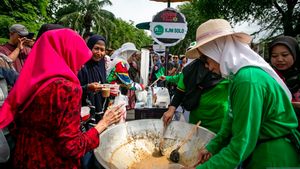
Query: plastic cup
pixel 85 113
pixel 114 89
pixel 106 91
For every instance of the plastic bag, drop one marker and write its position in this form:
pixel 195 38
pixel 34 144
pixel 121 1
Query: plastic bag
pixel 141 96
pixel 122 99
pixel 4 148
pixel 162 97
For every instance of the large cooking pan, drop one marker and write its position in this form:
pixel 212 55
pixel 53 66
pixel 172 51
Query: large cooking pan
pixel 123 145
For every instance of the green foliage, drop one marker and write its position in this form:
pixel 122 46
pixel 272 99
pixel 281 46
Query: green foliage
pixel 275 16
pixel 31 13
pixel 81 15
pixel 84 16
pixel 3 40
pixel 127 32
pixel 194 18
pixel 5 22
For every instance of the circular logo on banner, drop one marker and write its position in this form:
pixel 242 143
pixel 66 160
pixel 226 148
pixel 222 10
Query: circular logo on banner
pixel 158 30
pixel 168 27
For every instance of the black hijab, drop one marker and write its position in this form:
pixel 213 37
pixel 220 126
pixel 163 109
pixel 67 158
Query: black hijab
pixel 94 39
pixel 291 74
pixel 96 68
pixel 93 71
pixel 291 43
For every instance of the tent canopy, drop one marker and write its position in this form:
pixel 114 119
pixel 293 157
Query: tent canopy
pixel 143 25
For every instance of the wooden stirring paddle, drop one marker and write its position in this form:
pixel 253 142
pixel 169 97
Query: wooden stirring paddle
pixel 175 156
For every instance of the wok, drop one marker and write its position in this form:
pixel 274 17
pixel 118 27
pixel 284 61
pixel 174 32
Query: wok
pixel 123 145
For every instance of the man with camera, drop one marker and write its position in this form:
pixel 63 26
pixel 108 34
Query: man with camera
pixel 16 48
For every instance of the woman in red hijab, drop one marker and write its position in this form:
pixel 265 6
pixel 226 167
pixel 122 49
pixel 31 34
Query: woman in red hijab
pixel 45 105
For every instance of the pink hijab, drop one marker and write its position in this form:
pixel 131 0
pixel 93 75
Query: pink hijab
pixel 57 54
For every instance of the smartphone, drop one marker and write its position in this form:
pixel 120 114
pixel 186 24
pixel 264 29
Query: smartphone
pixel 30 35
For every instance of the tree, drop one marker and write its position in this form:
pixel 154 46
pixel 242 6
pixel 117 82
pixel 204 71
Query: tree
pixel 31 13
pixel 275 16
pixel 194 18
pixel 84 15
pixel 127 32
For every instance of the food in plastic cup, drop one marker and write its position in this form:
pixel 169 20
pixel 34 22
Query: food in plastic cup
pixel 105 92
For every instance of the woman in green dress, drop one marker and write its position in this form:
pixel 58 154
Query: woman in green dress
pixel 259 130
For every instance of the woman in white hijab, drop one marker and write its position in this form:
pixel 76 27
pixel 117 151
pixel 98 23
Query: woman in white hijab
pixel 260 128
pixel 118 68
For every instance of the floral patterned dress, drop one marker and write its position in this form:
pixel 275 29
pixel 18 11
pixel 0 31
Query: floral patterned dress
pixel 48 132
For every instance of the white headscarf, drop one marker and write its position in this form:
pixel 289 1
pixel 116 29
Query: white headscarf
pixel 122 55
pixel 232 55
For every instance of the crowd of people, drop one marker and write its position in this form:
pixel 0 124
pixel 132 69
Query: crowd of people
pixel 54 70
pixel 251 104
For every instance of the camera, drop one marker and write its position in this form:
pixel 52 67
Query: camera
pixel 30 35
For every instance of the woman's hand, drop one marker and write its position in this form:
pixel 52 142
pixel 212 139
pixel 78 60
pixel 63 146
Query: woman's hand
pixel 162 78
pixel 94 87
pixel 168 115
pixel 203 156
pixel 111 116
